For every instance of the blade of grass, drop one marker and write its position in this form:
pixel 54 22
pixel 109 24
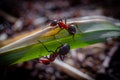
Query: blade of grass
pixel 88 33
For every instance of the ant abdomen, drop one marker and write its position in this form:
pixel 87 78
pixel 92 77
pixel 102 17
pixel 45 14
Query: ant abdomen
pixel 64 49
pixel 72 29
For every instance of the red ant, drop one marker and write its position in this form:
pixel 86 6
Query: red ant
pixel 70 28
pixel 61 51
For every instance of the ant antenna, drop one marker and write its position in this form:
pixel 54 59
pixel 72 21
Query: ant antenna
pixel 45 46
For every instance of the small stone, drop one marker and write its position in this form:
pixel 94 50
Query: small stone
pixel 3 36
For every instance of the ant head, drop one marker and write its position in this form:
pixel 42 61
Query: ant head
pixel 54 23
pixel 64 49
pixel 72 29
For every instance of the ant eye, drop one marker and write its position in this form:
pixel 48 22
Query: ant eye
pixel 54 23
pixel 72 29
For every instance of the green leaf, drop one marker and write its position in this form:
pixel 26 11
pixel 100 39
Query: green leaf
pixel 89 32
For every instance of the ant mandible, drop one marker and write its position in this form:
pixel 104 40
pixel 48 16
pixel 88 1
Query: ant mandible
pixel 70 28
pixel 61 51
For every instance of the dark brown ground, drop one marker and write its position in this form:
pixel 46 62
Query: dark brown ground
pixel 89 60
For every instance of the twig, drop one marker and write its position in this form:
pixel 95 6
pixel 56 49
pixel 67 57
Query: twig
pixel 72 71
pixel 8 17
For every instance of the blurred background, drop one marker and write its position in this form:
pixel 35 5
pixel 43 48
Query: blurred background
pixel 100 61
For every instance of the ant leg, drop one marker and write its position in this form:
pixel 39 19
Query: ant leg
pixel 45 46
pixel 61 57
pixel 57 33
pixel 58 48
pixel 73 37
pixel 52 56
pixel 59 43
pixel 76 26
